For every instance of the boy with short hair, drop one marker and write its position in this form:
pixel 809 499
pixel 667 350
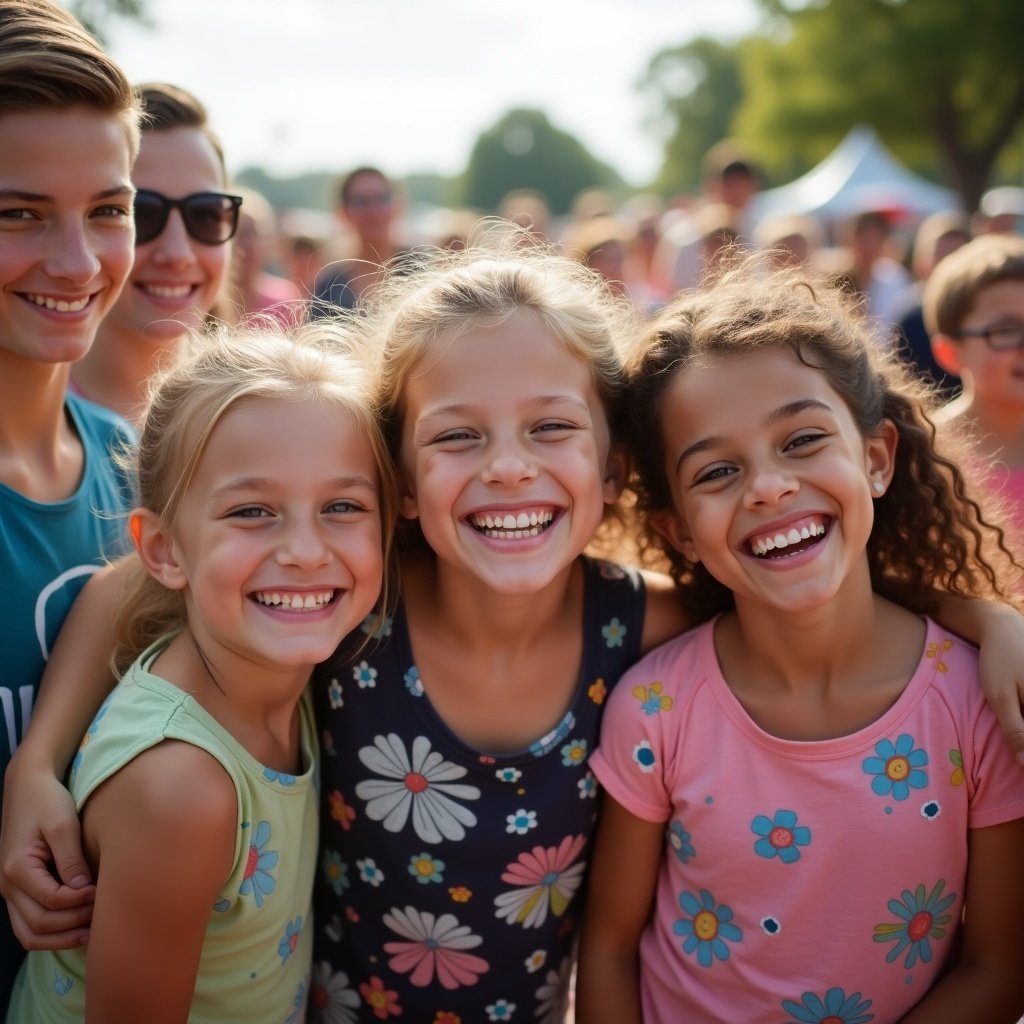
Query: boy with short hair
pixel 68 136
pixel 974 311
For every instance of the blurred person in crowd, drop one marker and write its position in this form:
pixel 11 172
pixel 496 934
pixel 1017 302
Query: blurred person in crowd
pixel 184 222
pixel 730 182
pixel 871 269
pixel 1001 211
pixel 937 236
pixel 256 288
pixel 791 239
pixel 303 259
pixel 974 310
pixel 599 242
pixel 368 208
pixel 529 210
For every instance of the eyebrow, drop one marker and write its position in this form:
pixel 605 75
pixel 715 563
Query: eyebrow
pixel 255 483
pixel 784 412
pixel 38 197
pixel 459 408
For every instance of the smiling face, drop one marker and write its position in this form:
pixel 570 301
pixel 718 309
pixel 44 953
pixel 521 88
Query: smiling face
pixel 505 451
pixel 176 279
pixel 771 479
pixel 65 229
pixel 277 541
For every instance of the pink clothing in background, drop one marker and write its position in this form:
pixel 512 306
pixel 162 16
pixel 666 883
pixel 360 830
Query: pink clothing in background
pixel 802 881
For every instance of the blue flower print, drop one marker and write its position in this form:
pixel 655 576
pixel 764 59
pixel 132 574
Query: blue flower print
pixel 644 757
pixel 290 939
pixel 62 984
pixel 257 879
pixel 780 836
pixel 376 627
pixel 897 768
pixel 587 786
pixel 574 753
pixel 334 694
pixel 501 1010
pixel 281 778
pixel 707 928
pixel 613 633
pixel 369 872
pixel 365 675
pixel 836 1008
pixel 921 919
pixel 412 681
pixel 509 774
pixel 521 822
pixel 681 841
pixel 426 869
pixel 651 699
pixel 335 871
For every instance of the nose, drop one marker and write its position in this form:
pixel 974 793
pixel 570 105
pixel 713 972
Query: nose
pixel 173 247
pixel 508 464
pixel 768 485
pixel 74 257
pixel 302 545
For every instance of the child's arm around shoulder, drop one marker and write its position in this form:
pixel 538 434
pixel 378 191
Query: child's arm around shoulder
pixel 163 830
pixel 40 826
pixel 664 615
pixel 998 631
pixel 986 983
pixel 620 896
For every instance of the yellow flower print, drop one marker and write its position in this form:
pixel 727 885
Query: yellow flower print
pixel 936 650
pixel 651 700
pixel 597 691
pixel 460 894
pixel 957 778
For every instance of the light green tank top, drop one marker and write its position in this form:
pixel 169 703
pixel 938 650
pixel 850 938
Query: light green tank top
pixel 256 957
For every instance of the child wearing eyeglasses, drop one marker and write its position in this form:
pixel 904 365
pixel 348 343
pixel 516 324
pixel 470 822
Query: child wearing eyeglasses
pixel 974 311
pixel 68 135
pixel 183 222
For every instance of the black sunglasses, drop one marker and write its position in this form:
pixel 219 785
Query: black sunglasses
pixel 209 217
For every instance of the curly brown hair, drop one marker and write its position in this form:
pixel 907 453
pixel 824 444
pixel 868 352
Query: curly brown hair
pixel 929 535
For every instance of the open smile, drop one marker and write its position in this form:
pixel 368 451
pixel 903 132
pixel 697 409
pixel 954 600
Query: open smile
pixel 500 525
pixel 790 541
pixel 294 601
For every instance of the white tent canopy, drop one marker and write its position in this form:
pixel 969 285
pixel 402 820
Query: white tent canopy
pixel 860 174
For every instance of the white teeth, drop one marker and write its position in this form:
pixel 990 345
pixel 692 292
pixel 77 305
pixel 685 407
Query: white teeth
pixel 295 602
pixel 61 305
pixel 512 527
pixel 168 291
pixel 762 545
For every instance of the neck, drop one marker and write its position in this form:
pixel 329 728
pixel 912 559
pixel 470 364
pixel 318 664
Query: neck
pixel 477 618
pixel 115 370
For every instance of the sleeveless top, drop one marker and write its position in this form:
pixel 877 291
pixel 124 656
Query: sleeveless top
pixel 255 960
pixel 450 881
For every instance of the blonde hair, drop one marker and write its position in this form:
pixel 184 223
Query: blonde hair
pixel 316 363
pixel 49 62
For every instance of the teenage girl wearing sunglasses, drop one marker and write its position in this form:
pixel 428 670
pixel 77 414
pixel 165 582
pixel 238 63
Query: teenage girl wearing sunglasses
pixel 184 219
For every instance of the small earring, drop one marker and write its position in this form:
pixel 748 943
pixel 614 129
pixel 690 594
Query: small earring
pixel 878 487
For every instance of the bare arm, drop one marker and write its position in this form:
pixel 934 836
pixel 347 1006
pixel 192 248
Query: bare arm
pixel 664 614
pixel 623 877
pixel 40 826
pixel 998 631
pixel 163 831
pixel 986 983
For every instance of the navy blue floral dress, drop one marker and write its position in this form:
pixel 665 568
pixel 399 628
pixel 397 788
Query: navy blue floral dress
pixel 449 887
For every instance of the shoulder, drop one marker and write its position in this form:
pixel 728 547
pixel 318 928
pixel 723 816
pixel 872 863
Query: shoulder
pixel 99 424
pixel 664 615
pixel 675 664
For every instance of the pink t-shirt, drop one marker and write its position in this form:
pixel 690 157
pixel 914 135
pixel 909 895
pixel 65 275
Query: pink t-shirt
pixel 802 881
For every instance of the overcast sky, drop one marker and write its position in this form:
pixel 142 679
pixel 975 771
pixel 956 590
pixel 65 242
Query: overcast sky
pixel 297 85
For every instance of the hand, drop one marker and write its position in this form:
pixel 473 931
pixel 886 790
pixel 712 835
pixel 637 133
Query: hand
pixel 41 834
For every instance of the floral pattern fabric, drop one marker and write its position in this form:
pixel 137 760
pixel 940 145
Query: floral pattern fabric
pixel 815 882
pixel 450 882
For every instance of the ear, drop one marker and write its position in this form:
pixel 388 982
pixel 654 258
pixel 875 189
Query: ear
pixel 881 456
pixel 615 474
pixel 673 528
pixel 408 507
pixel 156 549
pixel 947 353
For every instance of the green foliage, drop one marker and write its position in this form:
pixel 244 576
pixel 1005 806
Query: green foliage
pixel 96 15
pixel 696 89
pixel 942 81
pixel 525 151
